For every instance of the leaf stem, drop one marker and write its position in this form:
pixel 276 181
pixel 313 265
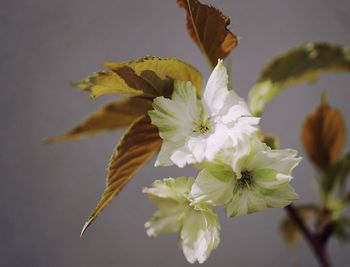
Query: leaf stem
pixel 315 243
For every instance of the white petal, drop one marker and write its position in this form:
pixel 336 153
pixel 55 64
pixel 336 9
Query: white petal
pixel 216 141
pixel 212 190
pixel 182 156
pixel 216 90
pixel 234 108
pixel 197 146
pixel 199 235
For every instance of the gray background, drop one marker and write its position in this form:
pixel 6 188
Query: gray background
pixel 48 191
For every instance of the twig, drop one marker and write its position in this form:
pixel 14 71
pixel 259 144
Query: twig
pixel 317 246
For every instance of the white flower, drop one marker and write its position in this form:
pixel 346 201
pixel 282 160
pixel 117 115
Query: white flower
pixel 197 225
pixel 195 130
pixel 257 179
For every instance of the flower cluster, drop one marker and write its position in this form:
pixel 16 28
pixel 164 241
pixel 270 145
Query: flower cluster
pixel 218 135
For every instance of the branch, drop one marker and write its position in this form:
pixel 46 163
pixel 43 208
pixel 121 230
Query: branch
pixel 314 242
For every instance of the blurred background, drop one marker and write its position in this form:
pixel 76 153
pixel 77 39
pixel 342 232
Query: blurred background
pixel 47 192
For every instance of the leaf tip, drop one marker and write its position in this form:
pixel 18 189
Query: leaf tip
pixel 86 226
pixel 324 98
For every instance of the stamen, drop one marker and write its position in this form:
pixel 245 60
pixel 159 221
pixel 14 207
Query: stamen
pixel 246 180
pixel 202 126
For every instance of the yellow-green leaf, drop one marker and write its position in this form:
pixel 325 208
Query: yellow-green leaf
pixel 105 82
pixel 207 27
pixel 301 64
pixel 323 135
pixel 146 78
pixel 137 146
pixel 149 76
pixel 114 115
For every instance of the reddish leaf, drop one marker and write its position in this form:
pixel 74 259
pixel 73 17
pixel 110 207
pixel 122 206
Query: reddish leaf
pixel 207 27
pixel 323 135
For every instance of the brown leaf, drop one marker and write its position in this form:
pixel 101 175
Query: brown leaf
pixel 207 27
pixel 323 135
pixel 137 146
pixel 114 115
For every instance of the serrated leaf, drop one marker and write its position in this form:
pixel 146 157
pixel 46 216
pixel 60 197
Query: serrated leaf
pixel 323 135
pixel 105 82
pixel 207 27
pixel 114 115
pixel 137 146
pixel 301 64
pixel 148 76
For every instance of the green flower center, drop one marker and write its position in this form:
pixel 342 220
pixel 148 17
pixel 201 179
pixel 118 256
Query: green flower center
pixel 246 181
pixel 202 126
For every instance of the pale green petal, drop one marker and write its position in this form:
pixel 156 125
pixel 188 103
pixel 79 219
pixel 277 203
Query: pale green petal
pixel 209 189
pixel 197 225
pixel 281 160
pixel 174 117
pixel 166 221
pixel 245 202
pixel 170 188
pixel 199 235
pixel 216 90
pixel 185 92
pixel 269 178
pixel 280 197
pixel 242 153
pixel 166 150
